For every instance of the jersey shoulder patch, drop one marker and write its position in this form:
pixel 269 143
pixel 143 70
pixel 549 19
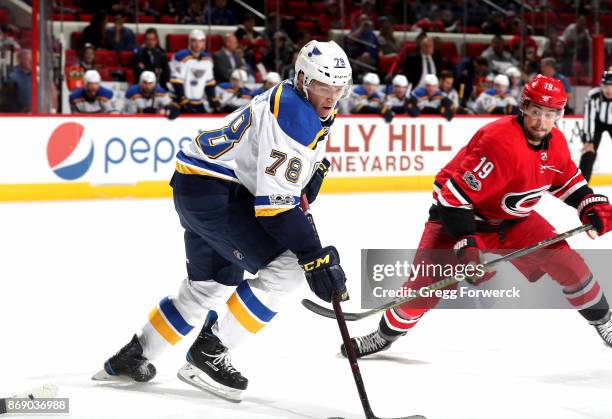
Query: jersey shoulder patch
pixel 295 115
pixel 105 93
pixel 359 90
pixel 182 54
pixel 132 90
pixel 77 94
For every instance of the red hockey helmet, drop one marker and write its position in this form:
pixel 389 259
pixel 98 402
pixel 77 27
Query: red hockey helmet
pixel 545 91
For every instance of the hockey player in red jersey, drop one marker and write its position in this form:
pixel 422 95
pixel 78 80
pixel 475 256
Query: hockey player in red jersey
pixel 484 199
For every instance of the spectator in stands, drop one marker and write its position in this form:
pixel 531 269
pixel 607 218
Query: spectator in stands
pixel 548 67
pixel 424 62
pixel 7 41
pixel 93 98
pixel 120 37
pixel 232 95
pixel 429 99
pixel 252 43
pixel 496 24
pixel 362 43
pixel 365 98
pixel 563 57
pixel 397 100
pixel 21 77
pixel 301 39
pixel 578 41
pixel 498 99
pixel 450 22
pixel 75 73
pixel 274 24
pixel 330 18
pixel 270 80
pixel 193 14
pixel 498 58
pixel 366 8
pixel 280 52
pixel 516 85
pixel 386 39
pixel 151 57
pixel 95 33
pixel 192 76
pixel 227 59
pixel 148 97
pixel 470 80
pixel 447 80
pixel 219 14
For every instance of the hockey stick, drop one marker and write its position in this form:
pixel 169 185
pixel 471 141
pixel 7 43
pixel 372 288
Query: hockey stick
pixel 346 337
pixel 326 312
pixel 46 391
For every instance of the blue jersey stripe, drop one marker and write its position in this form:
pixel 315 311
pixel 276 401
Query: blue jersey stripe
pixel 256 307
pixel 174 317
pixel 206 165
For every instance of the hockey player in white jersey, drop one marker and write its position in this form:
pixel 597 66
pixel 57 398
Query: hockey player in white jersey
pixel 233 94
pixel 148 97
pixel 236 191
pixel 192 76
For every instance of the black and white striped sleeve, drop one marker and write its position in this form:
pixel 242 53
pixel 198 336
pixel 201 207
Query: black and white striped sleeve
pixel 591 105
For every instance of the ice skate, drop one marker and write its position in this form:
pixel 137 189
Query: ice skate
pixel 604 329
pixel 127 365
pixel 209 368
pixel 368 344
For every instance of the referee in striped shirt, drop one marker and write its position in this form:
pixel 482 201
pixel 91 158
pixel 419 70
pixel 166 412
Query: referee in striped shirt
pixel 597 120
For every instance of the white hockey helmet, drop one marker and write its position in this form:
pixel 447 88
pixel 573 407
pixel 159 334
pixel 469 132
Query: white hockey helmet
pixel 502 80
pixel 197 34
pixel 431 80
pixel 92 76
pixel 272 77
pixel 513 72
pixel 240 74
pixel 147 77
pixel 325 62
pixel 371 78
pixel 400 80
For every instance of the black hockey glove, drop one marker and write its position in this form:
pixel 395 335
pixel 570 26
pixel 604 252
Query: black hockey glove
pixel 313 187
pixel 388 116
pixel 324 273
pixel 172 111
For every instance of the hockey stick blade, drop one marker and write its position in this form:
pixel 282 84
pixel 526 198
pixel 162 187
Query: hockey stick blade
pixel 326 312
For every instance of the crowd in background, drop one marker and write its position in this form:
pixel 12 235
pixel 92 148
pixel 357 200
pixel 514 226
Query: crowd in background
pixel 422 78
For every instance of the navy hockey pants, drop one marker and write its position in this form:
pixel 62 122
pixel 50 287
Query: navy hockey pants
pixel 222 235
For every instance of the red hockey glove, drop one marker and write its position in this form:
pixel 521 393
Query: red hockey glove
pixel 467 251
pixel 596 210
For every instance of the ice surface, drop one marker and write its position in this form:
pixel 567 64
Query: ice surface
pixel 77 279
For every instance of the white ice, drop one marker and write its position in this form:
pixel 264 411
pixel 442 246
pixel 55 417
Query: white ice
pixel 77 279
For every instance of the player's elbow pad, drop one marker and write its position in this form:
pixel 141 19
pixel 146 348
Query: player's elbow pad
pixel 457 222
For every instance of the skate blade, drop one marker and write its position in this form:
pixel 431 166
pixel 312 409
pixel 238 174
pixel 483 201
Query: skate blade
pixel 193 376
pixel 104 376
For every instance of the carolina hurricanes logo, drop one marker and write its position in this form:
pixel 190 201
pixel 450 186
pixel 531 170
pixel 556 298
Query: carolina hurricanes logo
pixel 520 204
pixel 545 98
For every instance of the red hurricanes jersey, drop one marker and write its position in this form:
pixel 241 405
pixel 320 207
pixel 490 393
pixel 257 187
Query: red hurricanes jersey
pixel 500 175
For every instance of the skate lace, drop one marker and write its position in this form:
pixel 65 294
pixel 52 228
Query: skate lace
pixel 223 359
pixel 605 330
pixel 370 343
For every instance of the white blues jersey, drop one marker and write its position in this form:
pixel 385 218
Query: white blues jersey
pixel 233 97
pixel 137 101
pixel 193 72
pixel 102 102
pixel 272 146
pixel 490 99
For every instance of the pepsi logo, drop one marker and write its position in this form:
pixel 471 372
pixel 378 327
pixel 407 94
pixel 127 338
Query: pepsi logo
pixel 69 152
